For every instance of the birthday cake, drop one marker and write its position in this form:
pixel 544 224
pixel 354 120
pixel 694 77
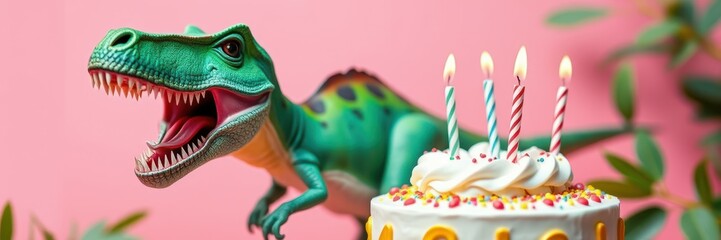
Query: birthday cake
pixel 477 196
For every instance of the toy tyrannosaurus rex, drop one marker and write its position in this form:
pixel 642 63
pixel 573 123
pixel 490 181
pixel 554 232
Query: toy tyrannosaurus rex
pixel 353 139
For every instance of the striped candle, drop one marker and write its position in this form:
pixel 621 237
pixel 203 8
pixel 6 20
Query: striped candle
pixel 564 71
pixel 492 122
pixel 517 107
pixel 516 116
pixel 452 122
pixel 558 119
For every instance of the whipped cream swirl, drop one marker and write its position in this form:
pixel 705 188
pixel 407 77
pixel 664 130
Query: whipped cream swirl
pixel 536 172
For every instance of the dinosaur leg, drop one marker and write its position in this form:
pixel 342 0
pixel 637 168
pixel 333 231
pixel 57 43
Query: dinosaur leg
pixel 306 165
pixel 275 192
pixel 410 136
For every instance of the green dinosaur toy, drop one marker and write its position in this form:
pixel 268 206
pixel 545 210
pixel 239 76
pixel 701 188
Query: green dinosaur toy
pixel 352 140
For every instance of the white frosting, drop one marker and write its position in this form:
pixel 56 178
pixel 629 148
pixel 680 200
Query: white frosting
pixel 536 172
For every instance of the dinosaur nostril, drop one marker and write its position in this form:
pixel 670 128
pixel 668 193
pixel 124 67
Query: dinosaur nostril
pixel 123 40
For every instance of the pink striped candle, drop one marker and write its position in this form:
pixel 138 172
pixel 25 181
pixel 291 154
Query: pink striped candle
pixel 517 107
pixel 564 71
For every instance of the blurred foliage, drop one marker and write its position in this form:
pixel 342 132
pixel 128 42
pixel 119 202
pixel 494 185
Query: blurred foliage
pixel 6 222
pixel 99 231
pixel 576 16
pixel 623 92
pixel 645 223
pixel 680 30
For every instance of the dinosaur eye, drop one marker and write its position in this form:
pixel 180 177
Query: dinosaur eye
pixel 231 48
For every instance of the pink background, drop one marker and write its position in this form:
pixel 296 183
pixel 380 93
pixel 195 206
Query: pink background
pixel 67 148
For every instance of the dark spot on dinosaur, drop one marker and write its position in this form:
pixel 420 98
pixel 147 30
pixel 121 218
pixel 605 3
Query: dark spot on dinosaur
pixel 324 124
pixel 316 105
pixel 357 113
pixel 284 104
pixel 375 90
pixel 387 110
pixel 346 93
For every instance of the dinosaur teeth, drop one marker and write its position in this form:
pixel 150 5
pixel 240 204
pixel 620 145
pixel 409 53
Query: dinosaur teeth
pixel 158 90
pixel 107 78
pixel 183 153
pixel 167 161
pixel 93 79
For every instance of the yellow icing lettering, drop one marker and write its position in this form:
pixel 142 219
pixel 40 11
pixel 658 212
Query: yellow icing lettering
pixel 440 232
pixel 369 227
pixel 503 234
pixel 600 231
pixel 387 232
pixel 555 234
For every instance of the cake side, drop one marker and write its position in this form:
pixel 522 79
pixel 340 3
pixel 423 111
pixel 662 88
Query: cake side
pixel 577 214
pixel 478 196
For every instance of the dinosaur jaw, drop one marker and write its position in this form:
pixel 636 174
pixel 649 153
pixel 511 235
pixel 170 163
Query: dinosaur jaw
pixel 190 123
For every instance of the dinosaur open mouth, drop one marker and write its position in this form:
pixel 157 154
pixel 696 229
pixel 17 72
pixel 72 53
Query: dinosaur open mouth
pixel 190 116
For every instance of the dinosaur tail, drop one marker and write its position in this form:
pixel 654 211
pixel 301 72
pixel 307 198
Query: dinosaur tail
pixel 571 142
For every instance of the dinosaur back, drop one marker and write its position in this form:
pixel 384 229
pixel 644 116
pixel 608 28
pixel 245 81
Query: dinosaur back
pixel 357 93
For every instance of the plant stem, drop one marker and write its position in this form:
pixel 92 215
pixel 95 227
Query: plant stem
pixel 710 48
pixel 663 193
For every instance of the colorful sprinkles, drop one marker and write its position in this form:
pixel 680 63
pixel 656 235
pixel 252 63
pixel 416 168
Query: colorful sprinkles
pixel 576 195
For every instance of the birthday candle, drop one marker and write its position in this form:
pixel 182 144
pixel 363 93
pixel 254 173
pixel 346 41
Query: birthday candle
pixel 564 71
pixel 452 122
pixel 517 107
pixel 493 141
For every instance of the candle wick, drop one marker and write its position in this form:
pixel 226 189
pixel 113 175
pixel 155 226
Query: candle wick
pixel 519 79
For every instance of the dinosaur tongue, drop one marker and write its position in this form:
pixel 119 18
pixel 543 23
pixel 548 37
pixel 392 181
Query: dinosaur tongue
pixel 183 130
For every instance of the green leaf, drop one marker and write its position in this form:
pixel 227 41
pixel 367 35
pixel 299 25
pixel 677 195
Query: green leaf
pixel 699 224
pixel 700 179
pixel 712 142
pixel 685 10
pixel 709 20
pixel 632 173
pixel 657 32
pixel 635 49
pixel 97 232
pixel 688 49
pixel 712 139
pixel 575 16
pixel 716 205
pixel 706 112
pixel 35 223
pixel 645 224
pixel 6 223
pixel 623 91
pixel 703 90
pixel 47 235
pixel 649 155
pixel 126 222
pixel 620 189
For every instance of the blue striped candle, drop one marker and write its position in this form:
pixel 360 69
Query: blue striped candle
pixel 493 140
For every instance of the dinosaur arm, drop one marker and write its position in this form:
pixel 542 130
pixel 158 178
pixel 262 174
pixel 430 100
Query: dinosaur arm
pixel 275 192
pixel 307 167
